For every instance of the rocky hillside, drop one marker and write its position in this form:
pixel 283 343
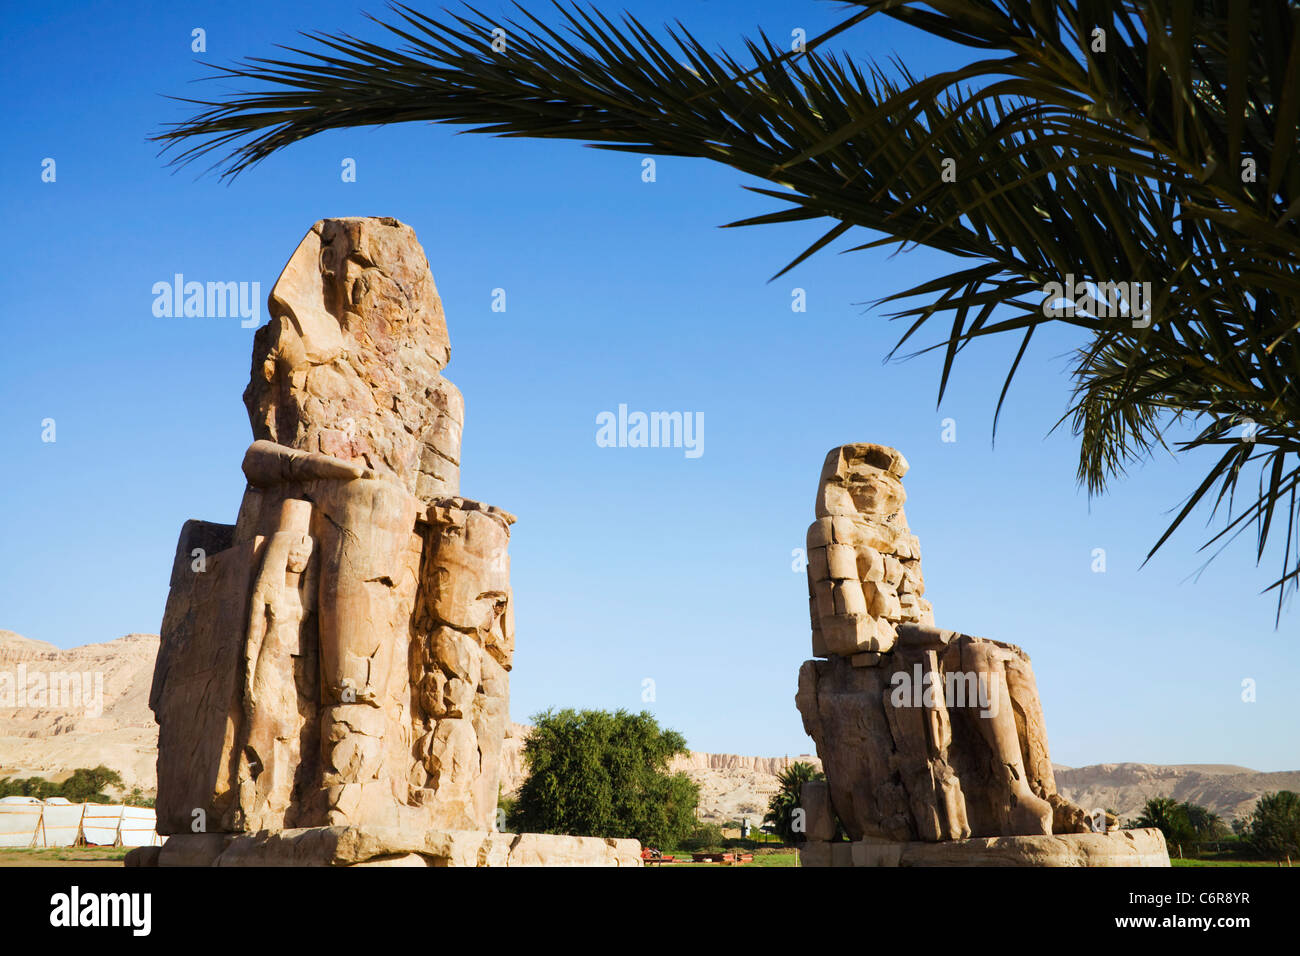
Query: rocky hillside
pixel 64 709
pixel 733 787
pixel 45 737
pixel 1124 787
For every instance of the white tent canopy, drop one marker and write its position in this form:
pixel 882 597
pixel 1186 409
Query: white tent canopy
pixel 137 827
pixel 100 824
pixel 29 822
pixel 20 820
pixel 60 822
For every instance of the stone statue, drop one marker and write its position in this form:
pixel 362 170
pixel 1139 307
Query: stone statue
pixel 926 735
pixel 864 566
pixel 333 677
pixel 374 652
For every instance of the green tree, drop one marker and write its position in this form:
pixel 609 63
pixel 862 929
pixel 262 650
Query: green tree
pixel 28 787
pixel 137 798
pixel 85 785
pixel 1205 824
pixel 783 804
pixel 1169 817
pixel 88 785
pixel 595 773
pixel 1144 141
pixel 1273 828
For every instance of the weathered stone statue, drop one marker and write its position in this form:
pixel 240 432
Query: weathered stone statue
pixel 926 735
pixel 333 677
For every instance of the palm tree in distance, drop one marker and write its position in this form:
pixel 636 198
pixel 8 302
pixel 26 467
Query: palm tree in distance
pixel 1139 160
pixel 784 804
pixel 1169 817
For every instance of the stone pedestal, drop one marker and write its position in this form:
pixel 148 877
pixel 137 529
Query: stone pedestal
pixel 1116 848
pixel 386 846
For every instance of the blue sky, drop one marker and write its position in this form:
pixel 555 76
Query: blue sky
pixel 627 563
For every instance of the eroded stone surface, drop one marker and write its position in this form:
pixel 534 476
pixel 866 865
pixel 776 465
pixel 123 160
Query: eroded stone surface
pixel 1127 848
pixel 349 364
pixel 339 658
pixel 390 846
pixel 864 564
pixel 460 654
pixel 926 735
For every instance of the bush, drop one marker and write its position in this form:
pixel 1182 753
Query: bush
pixel 704 837
pixel 595 773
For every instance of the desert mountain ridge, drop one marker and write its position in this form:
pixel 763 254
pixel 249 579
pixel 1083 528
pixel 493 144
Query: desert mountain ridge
pixel 111 724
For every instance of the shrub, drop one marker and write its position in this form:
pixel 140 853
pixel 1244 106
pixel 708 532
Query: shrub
pixel 596 773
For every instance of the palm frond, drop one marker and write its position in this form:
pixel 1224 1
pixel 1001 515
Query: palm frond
pixel 1109 140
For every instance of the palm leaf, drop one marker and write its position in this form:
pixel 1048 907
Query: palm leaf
pixel 1118 166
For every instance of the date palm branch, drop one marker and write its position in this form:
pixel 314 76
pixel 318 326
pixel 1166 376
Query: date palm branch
pixel 1151 142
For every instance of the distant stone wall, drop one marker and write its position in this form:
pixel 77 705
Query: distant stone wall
pixel 513 771
pixel 765 765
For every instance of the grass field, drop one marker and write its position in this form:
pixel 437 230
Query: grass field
pixel 1223 862
pixel 772 857
pixel 112 856
pixel 64 856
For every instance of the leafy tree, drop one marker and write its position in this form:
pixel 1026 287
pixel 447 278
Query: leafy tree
pixel 783 804
pixel 87 785
pixel 595 773
pixel 1273 828
pixel 28 787
pixel 1121 141
pixel 1206 824
pixel 1169 817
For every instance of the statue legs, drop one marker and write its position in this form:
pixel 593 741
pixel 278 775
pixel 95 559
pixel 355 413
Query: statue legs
pixel 282 597
pixel 363 540
pixel 1025 813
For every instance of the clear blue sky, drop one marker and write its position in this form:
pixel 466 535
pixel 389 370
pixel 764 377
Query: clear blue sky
pixel 628 563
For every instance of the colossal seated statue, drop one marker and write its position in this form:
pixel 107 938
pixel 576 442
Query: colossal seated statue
pixel 924 734
pixel 340 655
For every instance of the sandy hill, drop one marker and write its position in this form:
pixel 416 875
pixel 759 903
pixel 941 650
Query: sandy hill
pixel 37 738
pixel 64 709
pixel 1228 790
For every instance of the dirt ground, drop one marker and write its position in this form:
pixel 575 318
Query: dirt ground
pixel 63 856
